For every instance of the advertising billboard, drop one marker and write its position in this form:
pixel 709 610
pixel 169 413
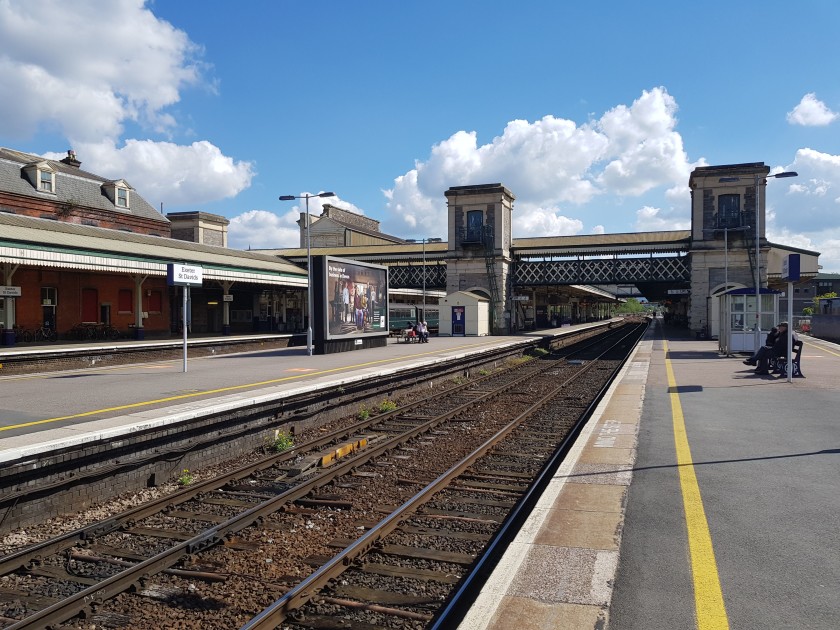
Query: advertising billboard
pixel 356 299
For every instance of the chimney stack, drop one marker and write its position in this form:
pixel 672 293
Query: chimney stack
pixel 71 160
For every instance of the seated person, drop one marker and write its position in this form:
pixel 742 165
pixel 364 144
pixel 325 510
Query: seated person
pixel 768 343
pixel 778 349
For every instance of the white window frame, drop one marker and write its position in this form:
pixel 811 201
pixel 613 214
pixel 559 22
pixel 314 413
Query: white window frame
pixel 45 176
pixel 121 197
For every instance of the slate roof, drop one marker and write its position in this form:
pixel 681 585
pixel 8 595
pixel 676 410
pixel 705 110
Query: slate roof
pixel 72 185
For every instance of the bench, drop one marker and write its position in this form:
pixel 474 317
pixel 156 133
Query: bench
pixel 795 355
pixel 408 336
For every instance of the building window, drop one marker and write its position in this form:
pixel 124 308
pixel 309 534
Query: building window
pixel 729 211
pixel 155 302
pixel 124 303
pixel 475 221
pixel 122 198
pixel 45 181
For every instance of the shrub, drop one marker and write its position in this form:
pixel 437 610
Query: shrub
pixel 185 478
pixel 281 441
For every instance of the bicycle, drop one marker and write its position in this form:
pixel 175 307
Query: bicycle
pixel 110 332
pixel 45 334
pixel 22 334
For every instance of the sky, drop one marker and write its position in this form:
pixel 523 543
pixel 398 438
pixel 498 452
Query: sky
pixel 593 114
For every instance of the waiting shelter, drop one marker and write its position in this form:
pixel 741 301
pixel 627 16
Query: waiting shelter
pixel 464 314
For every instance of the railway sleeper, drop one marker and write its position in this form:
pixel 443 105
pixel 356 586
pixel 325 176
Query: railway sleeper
pixel 388 570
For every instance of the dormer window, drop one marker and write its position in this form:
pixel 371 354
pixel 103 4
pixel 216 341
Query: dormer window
pixel 46 181
pixel 41 175
pixel 118 192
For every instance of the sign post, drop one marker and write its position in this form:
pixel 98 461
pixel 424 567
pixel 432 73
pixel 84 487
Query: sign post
pixel 790 272
pixel 184 276
pixel 7 336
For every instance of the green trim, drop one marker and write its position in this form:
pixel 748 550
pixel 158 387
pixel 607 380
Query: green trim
pixel 147 259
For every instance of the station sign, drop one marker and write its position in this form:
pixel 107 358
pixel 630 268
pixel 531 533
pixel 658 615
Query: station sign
pixel 520 298
pixel 679 291
pixel 790 268
pixel 9 291
pixel 184 275
pixel 227 298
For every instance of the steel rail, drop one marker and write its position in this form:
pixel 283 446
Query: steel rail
pixel 130 577
pixel 276 613
pixel 458 604
pixel 23 558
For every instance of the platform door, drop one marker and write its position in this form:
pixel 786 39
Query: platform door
pixel 90 306
pixel 459 319
pixel 49 300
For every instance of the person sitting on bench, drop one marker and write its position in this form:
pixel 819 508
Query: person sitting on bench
pixel 768 343
pixel 779 349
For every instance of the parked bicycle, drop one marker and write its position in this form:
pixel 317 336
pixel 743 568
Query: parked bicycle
pixel 92 331
pixel 22 334
pixel 45 334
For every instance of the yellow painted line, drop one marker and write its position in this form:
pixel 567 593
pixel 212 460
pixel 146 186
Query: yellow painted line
pixel 221 390
pixel 821 347
pixel 708 597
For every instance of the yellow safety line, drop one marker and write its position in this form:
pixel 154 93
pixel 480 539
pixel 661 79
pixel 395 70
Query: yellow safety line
pixel 708 597
pixel 823 348
pixel 222 390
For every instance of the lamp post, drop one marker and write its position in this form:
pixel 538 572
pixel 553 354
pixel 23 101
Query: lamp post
pixel 756 179
pixel 424 240
pixel 309 303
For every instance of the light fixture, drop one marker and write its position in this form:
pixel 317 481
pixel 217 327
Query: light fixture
pixel 309 302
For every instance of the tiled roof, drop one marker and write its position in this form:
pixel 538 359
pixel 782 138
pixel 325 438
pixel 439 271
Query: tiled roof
pixel 73 185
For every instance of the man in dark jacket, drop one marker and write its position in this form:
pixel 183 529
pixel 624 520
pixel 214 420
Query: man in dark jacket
pixel 778 349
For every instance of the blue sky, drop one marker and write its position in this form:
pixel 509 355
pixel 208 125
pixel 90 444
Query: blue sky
pixel 593 114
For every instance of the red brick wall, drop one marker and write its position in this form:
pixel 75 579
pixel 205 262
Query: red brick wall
pixel 39 208
pixel 69 285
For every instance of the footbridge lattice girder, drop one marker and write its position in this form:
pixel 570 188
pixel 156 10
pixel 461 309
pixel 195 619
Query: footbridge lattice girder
pixel 603 271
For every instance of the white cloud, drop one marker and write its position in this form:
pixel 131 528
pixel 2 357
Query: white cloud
pixel 537 221
pixel 169 173
pixel 261 229
pixel 650 219
pixel 811 201
pixel 811 112
pixel 552 161
pixel 86 68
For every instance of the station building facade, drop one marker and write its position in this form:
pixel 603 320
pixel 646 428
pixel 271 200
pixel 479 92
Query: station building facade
pixel 83 248
pixel 78 250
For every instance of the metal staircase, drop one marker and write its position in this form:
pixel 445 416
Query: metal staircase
pixel 490 262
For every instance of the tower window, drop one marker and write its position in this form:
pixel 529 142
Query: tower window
pixel 475 222
pixel 729 211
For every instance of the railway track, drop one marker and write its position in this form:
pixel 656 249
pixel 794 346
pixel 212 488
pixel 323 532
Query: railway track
pixel 447 469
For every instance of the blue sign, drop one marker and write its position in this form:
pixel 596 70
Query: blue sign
pixel 790 268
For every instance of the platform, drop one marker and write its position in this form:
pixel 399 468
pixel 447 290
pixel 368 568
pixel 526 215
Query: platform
pixel 699 496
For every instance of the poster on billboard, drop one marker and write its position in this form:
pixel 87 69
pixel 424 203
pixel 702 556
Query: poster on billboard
pixel 356 299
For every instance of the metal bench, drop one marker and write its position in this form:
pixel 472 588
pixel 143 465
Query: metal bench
pixel 408 336
pixel 795 356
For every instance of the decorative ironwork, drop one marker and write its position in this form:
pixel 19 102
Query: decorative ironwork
pixel 603 271
pixel 411 276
